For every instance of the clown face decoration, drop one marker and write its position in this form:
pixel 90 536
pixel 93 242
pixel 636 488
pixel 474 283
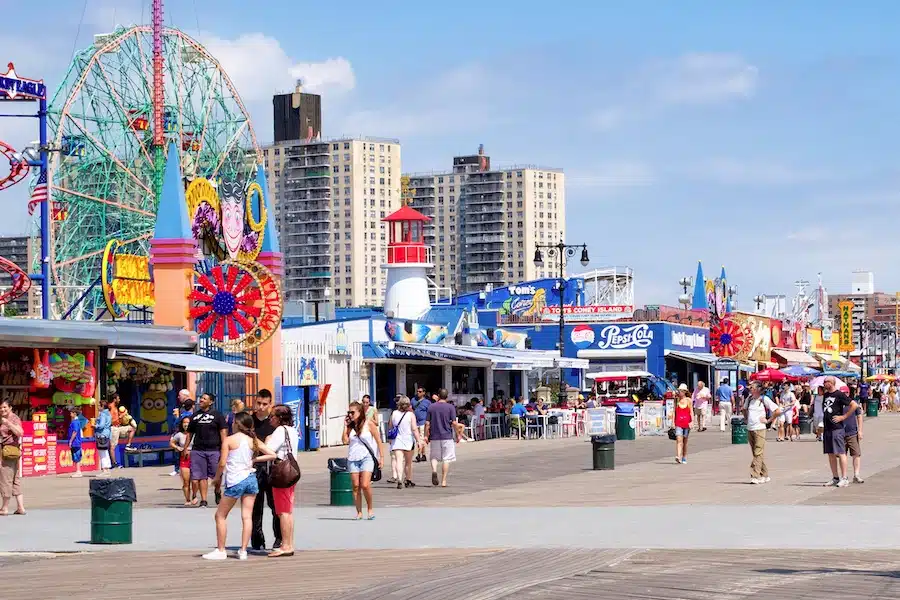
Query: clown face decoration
pixel 232 199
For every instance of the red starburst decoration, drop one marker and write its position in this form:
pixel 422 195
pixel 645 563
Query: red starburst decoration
pixel 727 339
pixel 228 299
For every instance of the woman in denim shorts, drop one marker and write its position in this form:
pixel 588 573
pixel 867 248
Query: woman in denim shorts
pixel 242 450
pixel 682 422
pixel 364 442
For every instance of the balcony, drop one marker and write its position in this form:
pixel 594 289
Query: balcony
pixel 485 239
pixel 487 187
pixel 308 173
pixel 310 183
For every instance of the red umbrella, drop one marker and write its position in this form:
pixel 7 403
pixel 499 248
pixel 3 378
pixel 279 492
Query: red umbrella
pixel 769 375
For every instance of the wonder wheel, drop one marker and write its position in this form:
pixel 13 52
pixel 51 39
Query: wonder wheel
pixel 106 168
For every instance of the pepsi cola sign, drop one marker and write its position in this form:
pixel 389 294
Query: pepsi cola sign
pixel 582 336
pixel 613 337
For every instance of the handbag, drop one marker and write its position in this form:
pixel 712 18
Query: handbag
pixel 394 431
pixel 671 434
pixel 376 472
pixel 10 452
pixel 285 473
pixel 102 442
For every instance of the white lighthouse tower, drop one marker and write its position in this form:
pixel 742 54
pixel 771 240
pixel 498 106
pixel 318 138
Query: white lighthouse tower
pixel 408 259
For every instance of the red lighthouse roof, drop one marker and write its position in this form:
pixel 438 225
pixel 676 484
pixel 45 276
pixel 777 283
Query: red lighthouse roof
pixel 406 213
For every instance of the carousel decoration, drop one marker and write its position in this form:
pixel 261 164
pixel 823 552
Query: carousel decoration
pixel 21 283
pixel 223 221
pixel 18 168
pixel 126 280
pixel 729 340
pixel 239 305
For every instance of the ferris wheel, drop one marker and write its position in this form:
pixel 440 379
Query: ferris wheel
pixel 105 172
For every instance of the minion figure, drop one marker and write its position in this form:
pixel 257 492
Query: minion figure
pixel 154 413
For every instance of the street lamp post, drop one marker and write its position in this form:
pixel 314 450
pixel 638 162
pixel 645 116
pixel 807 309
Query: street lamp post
pixel 562 252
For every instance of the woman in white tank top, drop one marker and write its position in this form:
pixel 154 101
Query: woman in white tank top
pixel 402 445
pixel 241 451
pixel 364 441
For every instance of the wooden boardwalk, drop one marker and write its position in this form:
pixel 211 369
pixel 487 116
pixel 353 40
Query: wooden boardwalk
pixel 465 575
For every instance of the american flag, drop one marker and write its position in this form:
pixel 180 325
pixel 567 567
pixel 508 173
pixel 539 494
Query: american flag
pixel 39 194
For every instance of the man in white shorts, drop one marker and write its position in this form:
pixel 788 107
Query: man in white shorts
pixel 441 436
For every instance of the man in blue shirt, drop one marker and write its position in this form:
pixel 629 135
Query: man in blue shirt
pixel 725 395
pixel 517 416
pixel 420 406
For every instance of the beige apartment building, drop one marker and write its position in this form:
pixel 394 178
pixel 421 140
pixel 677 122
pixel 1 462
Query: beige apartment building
pixel 485 223
pixel 329 197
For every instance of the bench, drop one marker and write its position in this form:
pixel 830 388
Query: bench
pixel 143 450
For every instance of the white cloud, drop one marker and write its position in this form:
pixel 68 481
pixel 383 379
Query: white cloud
pixel 259 67
pixel 461 100
pixel 810 235
pixel 612 175
pixel 729 171
pixel 695 79
pixel 704 78
pixel 106 15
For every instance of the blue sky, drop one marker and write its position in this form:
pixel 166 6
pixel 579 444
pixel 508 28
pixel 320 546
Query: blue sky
pixel 759 135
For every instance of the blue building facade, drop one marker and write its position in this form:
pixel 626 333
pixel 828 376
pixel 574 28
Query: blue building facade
pixel 526 300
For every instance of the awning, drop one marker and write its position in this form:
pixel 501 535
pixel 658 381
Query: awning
pixel 613 354
pixel 182 361
pixel 701 358
pixel 84 334
pixel 795 357
pixel 616 375
pixel 832 365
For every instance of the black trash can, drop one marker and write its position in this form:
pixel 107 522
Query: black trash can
pixel 806 424
pixel 603 450
pixel 111 510
pixel 341 484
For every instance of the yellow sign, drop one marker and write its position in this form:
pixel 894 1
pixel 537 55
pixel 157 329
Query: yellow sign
pixel 846 337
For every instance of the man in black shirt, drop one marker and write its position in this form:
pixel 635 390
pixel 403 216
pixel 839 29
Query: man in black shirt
pixel 207 431
pixel 262 410
pixel 837 407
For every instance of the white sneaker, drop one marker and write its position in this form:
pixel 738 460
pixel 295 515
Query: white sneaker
pixel 833 483
pixel 216 555
pixel 767 479
pixel 242 555
pixel 173 473
pixel 858 479
pixel 843 483
pixel 757 481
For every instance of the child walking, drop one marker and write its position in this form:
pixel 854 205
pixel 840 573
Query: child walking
pixel 75 439
pixel 236 466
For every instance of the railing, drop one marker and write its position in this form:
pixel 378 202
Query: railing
pixel 415 254
pixel 485 238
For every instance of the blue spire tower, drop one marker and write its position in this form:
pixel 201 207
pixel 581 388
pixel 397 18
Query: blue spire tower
pixel 699 301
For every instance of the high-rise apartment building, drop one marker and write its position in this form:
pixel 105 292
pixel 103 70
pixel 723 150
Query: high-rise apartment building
pixel 297 116
pixel 18 250
pixel 329 198
pixel 486 222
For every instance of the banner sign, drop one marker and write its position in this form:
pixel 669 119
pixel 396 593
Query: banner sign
pixel 15 87
pixel 592 312
pixel 845 309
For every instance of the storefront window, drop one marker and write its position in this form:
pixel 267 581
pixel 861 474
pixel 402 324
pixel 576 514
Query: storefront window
pixel 468 380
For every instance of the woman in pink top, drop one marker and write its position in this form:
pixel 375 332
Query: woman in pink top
pixel 683 417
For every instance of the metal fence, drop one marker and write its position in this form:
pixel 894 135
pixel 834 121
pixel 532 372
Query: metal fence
pixel 228 386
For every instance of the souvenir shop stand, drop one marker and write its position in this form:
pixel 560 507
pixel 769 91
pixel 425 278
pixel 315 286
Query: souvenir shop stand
pixel 47 366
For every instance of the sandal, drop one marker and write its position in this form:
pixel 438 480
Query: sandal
pixel 409 484
pixel 391 480
pixel 278 553
pixel 20 512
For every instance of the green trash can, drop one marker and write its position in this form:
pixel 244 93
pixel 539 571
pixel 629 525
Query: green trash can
pixel 871 407
pixel 738 431
pixel 625 421
pixel 603 451
pixel 341 484
pixel 111 510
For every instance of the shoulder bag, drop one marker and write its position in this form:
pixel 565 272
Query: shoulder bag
pixel 394 431
pixel 285 473
pixel 376 472
pixel 10 452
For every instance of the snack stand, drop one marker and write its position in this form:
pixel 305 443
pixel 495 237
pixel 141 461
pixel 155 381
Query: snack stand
pixel 46 366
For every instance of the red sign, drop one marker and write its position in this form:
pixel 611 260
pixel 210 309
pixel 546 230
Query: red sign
pixel 90 461
pixel 41 455
pixel 592 312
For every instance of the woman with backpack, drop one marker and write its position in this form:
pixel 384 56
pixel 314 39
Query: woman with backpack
pixel 285 441
pixel 404 436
